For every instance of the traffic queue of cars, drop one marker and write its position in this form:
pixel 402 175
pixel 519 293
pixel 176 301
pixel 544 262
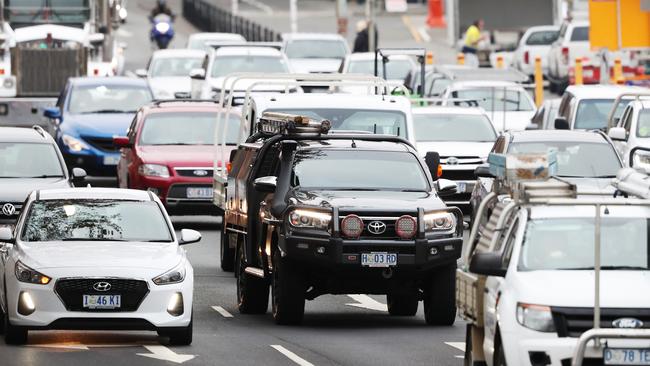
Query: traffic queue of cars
pixel 358 190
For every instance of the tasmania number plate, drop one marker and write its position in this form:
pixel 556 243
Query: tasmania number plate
pixel 111 160
pixel 378 259
pixel 626 356
pixel 199 192
pixel 102 301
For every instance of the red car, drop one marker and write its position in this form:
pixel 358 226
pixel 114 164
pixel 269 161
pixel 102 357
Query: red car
pixel 169 150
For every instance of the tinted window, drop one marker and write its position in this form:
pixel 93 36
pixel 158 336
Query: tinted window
pixel 358 170
pixel 24 160
pixel 541 38
pixel 580 34
pixel 568 244
pixel 593 113
pixel 186 129
pixel 228 64
pixel 380 122
pixel 453 127
pixel 56 220
pixel 108 99
pixel 496 99
pixel 314 48
pixel 575 159
pixel 395 69
pixel 180 66
pixel 643 124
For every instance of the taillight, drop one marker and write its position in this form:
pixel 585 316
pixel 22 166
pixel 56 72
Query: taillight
pixel 526 57
pixel 352 226
pixel 565 54
pixel 2 71
pixel 228 167
pixel 406 227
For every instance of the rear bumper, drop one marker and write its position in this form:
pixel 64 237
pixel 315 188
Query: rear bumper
pixel 173 193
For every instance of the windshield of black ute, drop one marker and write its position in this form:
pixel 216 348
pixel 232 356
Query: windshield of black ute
pixel 361 170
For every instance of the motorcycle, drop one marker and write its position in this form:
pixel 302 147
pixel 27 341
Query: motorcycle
pixel 162 31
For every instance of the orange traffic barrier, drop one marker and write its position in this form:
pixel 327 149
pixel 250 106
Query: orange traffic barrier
pixel 578 72
pixel 436 19
pixel 460 58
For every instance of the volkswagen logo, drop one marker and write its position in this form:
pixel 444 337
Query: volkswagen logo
pixel 102 286
pixel 376 227
pixel 200 173
pixel 8 209
pixel 627 323
pixel 452 160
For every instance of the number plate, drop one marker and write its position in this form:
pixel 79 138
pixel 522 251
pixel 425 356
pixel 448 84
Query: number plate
pixel 461 187
pixel 111 160
pixel 626 356
pixel 102 301
pixel 202 192
pixel 378 259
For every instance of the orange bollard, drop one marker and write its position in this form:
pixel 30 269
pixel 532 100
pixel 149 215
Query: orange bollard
pixel 460 58
pixel 539 82
pixel 429 58
pixel 578 71
pixel 436 19
pixel 499 62
pixel 618 72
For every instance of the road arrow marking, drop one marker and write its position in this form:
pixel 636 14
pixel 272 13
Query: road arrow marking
pixel 222 311
pixel 457 345
pixel 165 354
pixel 367 302
pixel 292 356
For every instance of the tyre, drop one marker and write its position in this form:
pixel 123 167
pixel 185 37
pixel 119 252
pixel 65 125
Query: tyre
pixel 14 335
pixel 183 336
pixel 440 297
pixel 288 292
pixel 162 42
pixel 227 253
pixel 402 303
pixel 252 292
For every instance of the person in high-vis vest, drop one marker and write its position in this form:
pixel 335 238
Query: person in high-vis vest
pixel 473 36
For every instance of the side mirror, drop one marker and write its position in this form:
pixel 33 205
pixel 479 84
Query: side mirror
pixel 432 159
pixel 266 184
pixel 617 134
pixel 141 73
pixel 52 112
pixel 483 171
pixel 122 141
pixel 198 74
pixel 189 236
pixel 6 235
pixel 561 123
pixel 487 264
pixel 78 176
pixel 532 126
pixel 446 187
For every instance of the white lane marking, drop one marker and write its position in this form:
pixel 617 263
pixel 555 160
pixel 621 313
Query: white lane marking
pixel 292 356
pixel 367 302
pixel 165 354
pixel 222 311
pixel 457 356
pixel 424 34
pixel 457 345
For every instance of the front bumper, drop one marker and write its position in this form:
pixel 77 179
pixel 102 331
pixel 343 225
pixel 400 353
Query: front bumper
pixel 95 163
pixel 172 192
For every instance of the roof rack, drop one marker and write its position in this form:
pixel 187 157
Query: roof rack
pixel 40 131
pixel 611 119
pixel 272 123
pixel 166 101
pixel 219 44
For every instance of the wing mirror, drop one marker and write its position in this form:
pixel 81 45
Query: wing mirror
pixel 266 184
pixel 446 187
pixel 432 159
pixel 78 176
pixel 141 73
pixel 617 134
pixel 122 141
pixel 561 123
pixel 483 171
pixel 189 236
pixel 198 74
pixel 52 113
pixel 532 126
pixel 487 264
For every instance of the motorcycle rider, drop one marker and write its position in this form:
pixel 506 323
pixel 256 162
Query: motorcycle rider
pixel 161 8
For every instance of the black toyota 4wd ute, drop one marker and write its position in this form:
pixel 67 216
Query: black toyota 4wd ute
pixel 312 214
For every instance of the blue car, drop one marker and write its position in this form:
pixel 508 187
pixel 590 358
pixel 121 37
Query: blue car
pixel 89 112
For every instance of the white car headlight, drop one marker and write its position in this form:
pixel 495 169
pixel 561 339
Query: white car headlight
pixel 641 160
pixel 535 317
pixel 74 144
pixel 174 275
pixel 162 27
pixel 28 275
pixel 153 170
pixel 303 219
pixel 439 221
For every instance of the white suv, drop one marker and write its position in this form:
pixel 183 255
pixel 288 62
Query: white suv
pixel 631 136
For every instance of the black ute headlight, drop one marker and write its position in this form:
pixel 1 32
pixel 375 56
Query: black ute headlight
pixel 439 222
pixel 308 219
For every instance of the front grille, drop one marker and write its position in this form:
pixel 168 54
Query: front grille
pixel 6 211
pixel 572 322
pixel 101 143
pixel 389 221
pixel 194 172
pixel 71 292
pixel 180 190
pixel 460 160
pixel 458 174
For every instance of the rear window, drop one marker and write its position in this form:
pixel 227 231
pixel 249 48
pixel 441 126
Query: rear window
pixel 541 38
pixel 580 34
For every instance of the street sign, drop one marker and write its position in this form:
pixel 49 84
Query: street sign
pixel 617 24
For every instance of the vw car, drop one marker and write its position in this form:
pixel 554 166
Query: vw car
pixel 95 258
pixel 89 112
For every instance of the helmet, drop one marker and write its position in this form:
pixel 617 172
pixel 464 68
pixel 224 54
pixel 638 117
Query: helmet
pixel 162 3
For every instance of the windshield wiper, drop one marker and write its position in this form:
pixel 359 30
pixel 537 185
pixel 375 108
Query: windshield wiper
pixel 91 239
pixel 587 177
pixel 108 111
pixel 606 268
pixel 173 143
pixel 47 176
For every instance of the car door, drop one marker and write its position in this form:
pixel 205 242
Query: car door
pixel 125 164
pixel 623 147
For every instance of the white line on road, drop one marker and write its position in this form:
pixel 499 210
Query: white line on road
pixel 222 311
pixel 457 345
pixel 292 356
pixel 367 302
pixel 165 354
pixel 424 34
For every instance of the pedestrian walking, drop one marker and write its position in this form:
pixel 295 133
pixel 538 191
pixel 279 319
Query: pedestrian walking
pixel 473 36
pixel 361 41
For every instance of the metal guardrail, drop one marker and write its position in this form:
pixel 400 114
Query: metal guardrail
pixel 211 18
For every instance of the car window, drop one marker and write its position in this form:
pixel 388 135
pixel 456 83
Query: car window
pixel 438 86
pixel 224 65
pixel 643 123
pixel 627 119
pixel 453 127
pixel 95 220
pixel 575 159
pixel 395 69
pixel 568 244
pixel 594 113
pixel 26 160
pixel 496 99
pixel 108 99
pixel 178 66
pixel 499 145
pixel 541 38
pixel 314 48
pixel 580 34
pixel 352 169
pixel 187 128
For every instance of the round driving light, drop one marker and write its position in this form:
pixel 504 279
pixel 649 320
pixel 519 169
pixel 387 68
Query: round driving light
pixel 406 227
pixel 26 304
pixel 352 226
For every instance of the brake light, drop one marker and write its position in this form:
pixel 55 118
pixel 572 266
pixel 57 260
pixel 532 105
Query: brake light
pixel 439 172
pixel 352 226
pixel 406 227
pixel 228 167
pixel 526 57
pixel 95 72
pixel 565 54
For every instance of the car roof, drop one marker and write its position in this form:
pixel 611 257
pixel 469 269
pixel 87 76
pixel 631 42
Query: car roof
pixel 469 84
pixel 247 51
pixel 449 110
pixel 557 135
pixel 172 106
pixel 108 80
pixel 113 194
pixel 217 36
pixel 364 56
pixel 23 134
pixel 334 144
pixel 332 101
pixel 178 53
pixel 599 91
pixel 312 36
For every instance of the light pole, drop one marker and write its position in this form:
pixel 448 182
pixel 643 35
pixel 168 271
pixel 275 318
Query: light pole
pixel 293 12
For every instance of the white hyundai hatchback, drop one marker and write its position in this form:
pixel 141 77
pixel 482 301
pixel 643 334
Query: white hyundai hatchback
pixel 95 259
